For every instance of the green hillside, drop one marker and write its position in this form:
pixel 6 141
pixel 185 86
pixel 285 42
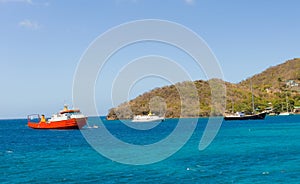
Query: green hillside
pixel 273 87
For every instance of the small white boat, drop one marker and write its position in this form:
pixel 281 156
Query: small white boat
pixel 147 118
pixel 285 114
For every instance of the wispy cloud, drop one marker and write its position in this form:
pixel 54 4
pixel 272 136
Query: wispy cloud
pixel 29 2
pixel 190 2
pixel 17 1
pixel 29 24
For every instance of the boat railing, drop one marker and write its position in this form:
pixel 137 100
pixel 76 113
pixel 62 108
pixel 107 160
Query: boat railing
pixel 34 118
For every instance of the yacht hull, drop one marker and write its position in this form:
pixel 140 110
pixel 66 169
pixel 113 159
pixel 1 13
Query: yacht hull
pixel 259 116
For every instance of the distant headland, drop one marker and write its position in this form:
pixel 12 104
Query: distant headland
pixel 273 89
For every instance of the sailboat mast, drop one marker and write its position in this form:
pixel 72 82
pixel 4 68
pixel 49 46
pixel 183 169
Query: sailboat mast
pixel 253 110
pixel 232 108
pixel 287 103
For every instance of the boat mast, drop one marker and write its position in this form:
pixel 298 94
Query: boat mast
pixel 232 108
pixel 287 103
pixel 253 110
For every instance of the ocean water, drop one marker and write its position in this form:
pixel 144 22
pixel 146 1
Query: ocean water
pixel 263 151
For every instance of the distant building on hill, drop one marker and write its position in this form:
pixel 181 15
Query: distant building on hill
pixel 291 83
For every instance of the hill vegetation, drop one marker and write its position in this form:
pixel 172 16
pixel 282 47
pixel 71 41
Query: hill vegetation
pixel 271 88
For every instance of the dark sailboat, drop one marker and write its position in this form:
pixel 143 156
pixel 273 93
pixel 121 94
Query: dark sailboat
pixel 242 116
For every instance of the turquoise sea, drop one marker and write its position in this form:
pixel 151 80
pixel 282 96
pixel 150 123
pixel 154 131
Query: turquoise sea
pixel 263 151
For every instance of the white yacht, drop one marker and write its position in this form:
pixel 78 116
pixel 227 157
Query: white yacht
pixel 147 118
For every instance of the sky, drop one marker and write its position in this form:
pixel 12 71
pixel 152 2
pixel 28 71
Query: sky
pixel 42 42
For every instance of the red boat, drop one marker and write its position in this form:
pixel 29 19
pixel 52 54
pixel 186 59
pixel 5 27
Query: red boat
pixel 65 119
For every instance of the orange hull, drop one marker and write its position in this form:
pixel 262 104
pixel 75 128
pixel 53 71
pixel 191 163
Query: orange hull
pixel 73 123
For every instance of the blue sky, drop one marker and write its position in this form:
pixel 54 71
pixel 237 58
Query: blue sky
pixel 41 42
